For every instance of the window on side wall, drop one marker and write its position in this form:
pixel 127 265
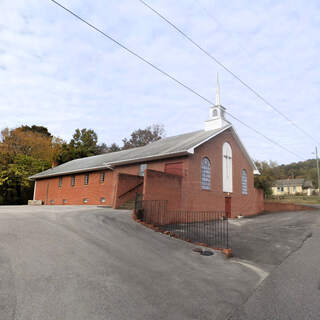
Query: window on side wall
pixel 205 174
pixel 244 182
pixel 142 168
pixel 73 181
pixel 60 182
pixel 102 174
pixel 86 178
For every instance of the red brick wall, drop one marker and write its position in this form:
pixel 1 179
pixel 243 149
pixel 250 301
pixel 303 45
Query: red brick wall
pixel 75 195
pixel 278 206
pixel 163 186
pixel 125 183
pixel 94 190
pixel 194 198
pixel 187 190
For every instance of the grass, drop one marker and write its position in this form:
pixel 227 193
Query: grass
pixel 296 199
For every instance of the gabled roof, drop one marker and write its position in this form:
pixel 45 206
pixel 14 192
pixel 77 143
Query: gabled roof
pixel 175 146
pixel 293 183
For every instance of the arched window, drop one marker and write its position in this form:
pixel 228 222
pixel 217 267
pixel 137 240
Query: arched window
pixel 244 182
pixel 227 167
pixel 215 113
pixel 205 174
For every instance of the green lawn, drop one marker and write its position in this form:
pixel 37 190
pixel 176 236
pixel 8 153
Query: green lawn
pixel 296 199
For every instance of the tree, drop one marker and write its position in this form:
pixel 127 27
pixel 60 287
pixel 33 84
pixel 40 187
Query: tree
pixel 113 148
pixel 27 142
pixel 15 186
pixel 102 148
pixel 37 129
pixel 142 137
pixel 23 152
pixel 267 176
pixel 84 143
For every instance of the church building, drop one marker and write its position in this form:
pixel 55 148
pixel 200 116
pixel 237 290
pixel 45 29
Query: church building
pixel 206 170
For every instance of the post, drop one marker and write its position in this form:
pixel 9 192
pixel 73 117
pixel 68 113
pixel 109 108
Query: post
pixel 317 158
pixel 136 203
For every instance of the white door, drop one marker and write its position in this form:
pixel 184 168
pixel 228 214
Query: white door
pixel 227 167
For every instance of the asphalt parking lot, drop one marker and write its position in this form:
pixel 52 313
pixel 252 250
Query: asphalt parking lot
pixel 87 262
pixel 60 262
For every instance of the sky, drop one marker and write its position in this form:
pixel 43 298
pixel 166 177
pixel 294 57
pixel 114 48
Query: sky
pixel 57 72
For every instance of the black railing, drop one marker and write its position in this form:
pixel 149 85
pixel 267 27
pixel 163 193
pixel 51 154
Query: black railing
pixel 208 227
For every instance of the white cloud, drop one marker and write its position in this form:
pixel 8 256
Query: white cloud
pixel 55 71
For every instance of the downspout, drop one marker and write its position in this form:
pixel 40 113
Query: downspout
pixel 34 189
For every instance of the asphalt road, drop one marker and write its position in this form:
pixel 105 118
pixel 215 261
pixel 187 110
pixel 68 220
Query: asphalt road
pixel 87 262
pixel 64 262
pixel 287 245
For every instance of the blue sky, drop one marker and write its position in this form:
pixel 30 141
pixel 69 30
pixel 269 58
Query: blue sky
pixel 56 72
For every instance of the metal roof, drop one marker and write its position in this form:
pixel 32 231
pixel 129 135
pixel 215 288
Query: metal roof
pixel 179 145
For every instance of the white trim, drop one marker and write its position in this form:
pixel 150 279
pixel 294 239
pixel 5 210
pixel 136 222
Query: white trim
pixel 148 158
pixel 255 170
pixel 242 147
pixel 64 173
pixel 110 165
pixel 191 150
pixel 227 168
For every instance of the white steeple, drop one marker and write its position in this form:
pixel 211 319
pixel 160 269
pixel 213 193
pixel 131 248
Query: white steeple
pixel 217 118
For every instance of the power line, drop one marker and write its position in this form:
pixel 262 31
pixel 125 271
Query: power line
pixel 169 76
pixel 228 70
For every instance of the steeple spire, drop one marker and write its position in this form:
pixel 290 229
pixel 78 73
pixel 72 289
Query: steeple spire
pixel 218 91
pixel 217 118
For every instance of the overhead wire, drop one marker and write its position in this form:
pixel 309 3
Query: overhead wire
pixel 169 76
pixel 257 94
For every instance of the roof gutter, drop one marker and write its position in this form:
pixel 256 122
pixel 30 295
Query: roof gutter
pixel 64 173
pixel 149 158
pixel 111 165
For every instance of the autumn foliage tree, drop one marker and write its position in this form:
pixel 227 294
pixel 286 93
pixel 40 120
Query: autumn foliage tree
pixel 24 151
pixel 27 150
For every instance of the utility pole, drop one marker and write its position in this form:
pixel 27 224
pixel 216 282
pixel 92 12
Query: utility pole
pixel 317 158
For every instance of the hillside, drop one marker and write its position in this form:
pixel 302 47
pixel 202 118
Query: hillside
pixel 270 171
pixel 303 169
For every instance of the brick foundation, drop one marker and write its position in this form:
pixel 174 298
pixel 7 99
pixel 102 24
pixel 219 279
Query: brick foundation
pixel 280 206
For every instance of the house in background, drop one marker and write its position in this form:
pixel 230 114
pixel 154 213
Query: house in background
pixel 203 170
pixel 292 187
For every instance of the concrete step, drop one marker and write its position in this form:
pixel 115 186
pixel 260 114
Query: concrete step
pixel 128 205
